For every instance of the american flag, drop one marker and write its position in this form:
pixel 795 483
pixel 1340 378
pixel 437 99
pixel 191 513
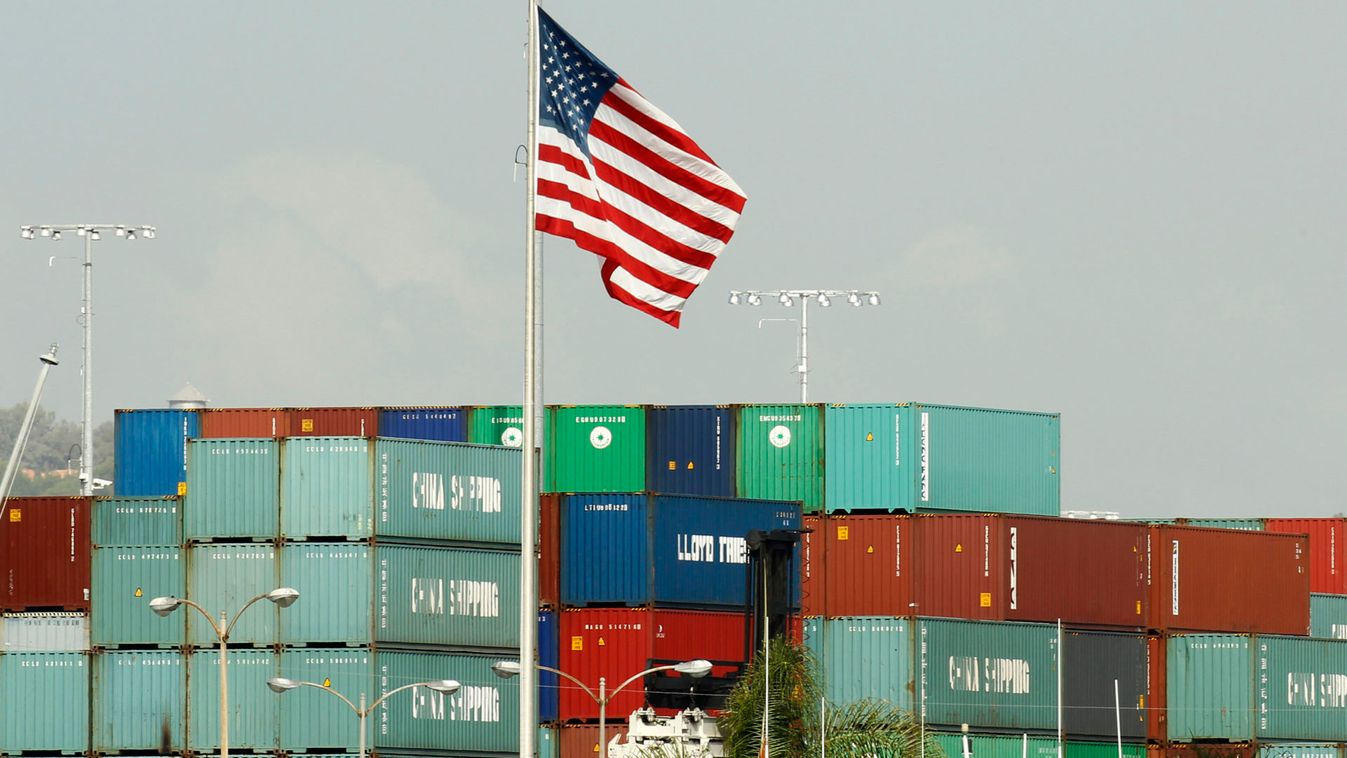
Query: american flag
pixel 622 179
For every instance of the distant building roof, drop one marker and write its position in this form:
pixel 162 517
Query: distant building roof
pixel 188 397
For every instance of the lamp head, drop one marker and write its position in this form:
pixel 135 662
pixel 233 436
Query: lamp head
pixel 283 596
pixel 447 686
pixel 55 234
pixel 854 299
pixel 165 605
pixel 754 299
pixel 823 301
pixel 280 684
pixel 505 669
pixel 26 232
pixel 734 297
pixel 697 669
pixel 874 298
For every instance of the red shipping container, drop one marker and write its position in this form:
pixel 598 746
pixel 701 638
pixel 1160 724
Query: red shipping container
pixel 1328 550
pixel 245 422
pixel 1203 750
pixel 866 572
pixel 549 551
pixel 1157 719
pixel 1227 580
pixel 582 740
pixel 334 422
pixel 616 643
pixel 45 561
pixel 811 567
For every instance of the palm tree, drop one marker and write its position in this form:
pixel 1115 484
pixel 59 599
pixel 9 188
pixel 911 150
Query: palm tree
pixel 795 727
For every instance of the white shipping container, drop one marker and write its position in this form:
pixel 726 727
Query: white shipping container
pixel 44 632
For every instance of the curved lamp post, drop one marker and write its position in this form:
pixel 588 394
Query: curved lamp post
pixel 281 596
pixel 695 668
pixel 281 685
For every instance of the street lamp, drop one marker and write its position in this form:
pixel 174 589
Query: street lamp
pixel 89 232
pixel 787 298
pixel 281 596
pixel 281 685
pixel 695 668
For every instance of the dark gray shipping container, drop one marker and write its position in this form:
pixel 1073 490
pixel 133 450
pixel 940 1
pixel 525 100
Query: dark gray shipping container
pixel 1091 662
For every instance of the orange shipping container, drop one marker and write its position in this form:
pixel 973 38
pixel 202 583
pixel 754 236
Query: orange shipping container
pixel 334 422
pixel 44 554
pixel 1328 550
pixel 245 422
pixel 582 740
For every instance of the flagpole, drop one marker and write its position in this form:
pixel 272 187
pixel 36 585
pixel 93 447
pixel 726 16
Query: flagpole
pixel 528 519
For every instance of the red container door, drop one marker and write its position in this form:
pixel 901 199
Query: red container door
pixel 616 643
pixel 245 422
pixel 549 551
pixel 1086 573
pixel 868 565
pixel 1157 722
pixel 957 567
pixel 582 740
pixel 1328 550
pixel 813 599
pixel 46 554
pixel 1226 580
pixel 334 422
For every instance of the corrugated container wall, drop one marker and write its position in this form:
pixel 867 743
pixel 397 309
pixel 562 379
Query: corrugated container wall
pixel 138 700
pixel 447 491
pixel 125 580
pixel 614 642
pixel 1002 746
pixel 1328 616
pixel 1229 580
pixel 44 632
pixel 497 425
pixel 992 676
pixel 245 422
pixel 1328 550
pixel 1242 524
pixel 690 450
pixel 131 521
pixel 1202 750
pixel 662 549
pixel 780 453
pixel 1301 688
pixel 549 684
pixel 334 422
pixel 45 701
pixel 1091 663
pixel 325 488
pixel 864 656
pixel 150 447
pixel 595 448
pixel 224 577
pixel 813 597
pixel 45 559
pixel 233 489
pixel 254 710
pixel 582 740
pixel 442 423
pixel 1300 750
pixel 1210 686
pixel 549 550
pixel 865 562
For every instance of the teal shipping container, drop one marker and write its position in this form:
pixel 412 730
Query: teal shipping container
pixel 988 675
pixel 905 457
pixel 1328 616
pixel 1242 524
pixel 326 488
pixel 125 580
pixel 139 696
pixel 222 578
pixel 401 594
pixel 863 657
pixel 482 717
pixel 132 521
pixel 44 702
pixel 780 453
pixel 254 713
pixel 595 448
pixel 233 489
pixel 497 425
pixel 1301 689
pixel 447 491
pixel 1210 687
pixel 1300 750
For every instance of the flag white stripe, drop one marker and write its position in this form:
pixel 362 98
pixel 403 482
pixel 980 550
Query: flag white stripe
pixel 637 101
pixel 634 247
pixel 693 164
pixel 642 291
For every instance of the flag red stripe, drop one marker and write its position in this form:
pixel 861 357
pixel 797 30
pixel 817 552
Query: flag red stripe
pixel 655 162
pixel 622 296
pixel 655 127
pixel 632 226
pixel 673 209
pixel 554 154
pixel 583 240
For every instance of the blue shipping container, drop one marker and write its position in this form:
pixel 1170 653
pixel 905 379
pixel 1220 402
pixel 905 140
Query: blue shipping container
pixel 668 550
pixel 442 423
pixel 151 450
pixel 690 450
pixel 549 654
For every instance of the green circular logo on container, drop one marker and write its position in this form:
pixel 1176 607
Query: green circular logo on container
pixel 600 437
pixel 779 436
pixel 512 437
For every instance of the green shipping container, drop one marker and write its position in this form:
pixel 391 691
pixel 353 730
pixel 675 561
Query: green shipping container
pixel 482 717
pixel 991 675
pixel 132 521
pixel 780 453
pixel 497 425
pixel 401 594
pixel 253 711
pixel 44 702
pixel 233 489
pixel 907 457
pixel 138 696
pixel 595 448
pixel 1301 688
pixel 222 578
pixel 124 581
pixel 447 491
pixel 1006 746
pixel 326 488
pixel 1328 616
pixel 1210 686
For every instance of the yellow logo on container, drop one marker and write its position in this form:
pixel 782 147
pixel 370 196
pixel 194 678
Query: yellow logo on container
pixel 577 643
pixel 182 488
pixel 673 465
pixel 602 643
pixel 690 466
pixel 842 533
pixel 140 592
pixel 869 437
pixel 306 425
pixel 15 514
pixel 958 547
pixel 985 600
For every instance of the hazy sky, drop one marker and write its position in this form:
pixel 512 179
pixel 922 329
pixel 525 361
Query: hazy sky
pixel 1130 214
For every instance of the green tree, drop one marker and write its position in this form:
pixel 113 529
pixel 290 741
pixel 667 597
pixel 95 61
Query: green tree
pixel 53 445
pixel 795 728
